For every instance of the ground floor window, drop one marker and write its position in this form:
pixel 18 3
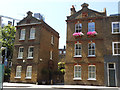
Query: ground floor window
pixel 29 72
pixel 77 72
pixel 91 72
pixel 18 71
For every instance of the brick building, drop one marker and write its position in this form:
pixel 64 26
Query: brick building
pixel 35 54
pixel 92 39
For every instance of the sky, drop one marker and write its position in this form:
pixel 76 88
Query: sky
pixel 54 11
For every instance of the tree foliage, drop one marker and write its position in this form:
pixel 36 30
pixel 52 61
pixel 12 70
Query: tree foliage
pixel 8 37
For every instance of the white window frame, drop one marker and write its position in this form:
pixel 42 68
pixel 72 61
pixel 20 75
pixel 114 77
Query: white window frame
pixel 78 50
pixel 18 71
pixel 20 54
pixel 29 72
pixel 51 55
pixel 22 34
pixel 52 39
pixel 77 71
pixel 90 29
pixel 113 43
pixel 32 33
pixel 91 50
pixel 30 53
pixel 92 72
pixel 113 28
pixel 79 29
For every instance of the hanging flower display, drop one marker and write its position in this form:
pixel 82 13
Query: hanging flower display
pixel 78 34
pixel 91 33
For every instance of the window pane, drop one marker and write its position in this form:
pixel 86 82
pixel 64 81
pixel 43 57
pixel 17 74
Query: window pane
pixel 78 27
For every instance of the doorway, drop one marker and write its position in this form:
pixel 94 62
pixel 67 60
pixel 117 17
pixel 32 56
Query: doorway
pixel 112 74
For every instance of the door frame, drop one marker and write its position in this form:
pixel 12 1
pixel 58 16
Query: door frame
pixel 111 69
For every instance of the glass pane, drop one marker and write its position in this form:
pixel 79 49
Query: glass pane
pixel 118 51
pixel 118 45
pixel 111 65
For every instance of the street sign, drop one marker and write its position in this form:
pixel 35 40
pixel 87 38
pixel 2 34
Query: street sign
pixel 1 75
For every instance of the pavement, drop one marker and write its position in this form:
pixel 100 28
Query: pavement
pixel 23 85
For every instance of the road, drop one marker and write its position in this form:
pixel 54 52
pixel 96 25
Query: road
pixel 38 89
pixel 53 89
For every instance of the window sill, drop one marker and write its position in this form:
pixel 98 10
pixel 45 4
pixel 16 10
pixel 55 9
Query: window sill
pixel 92 79
pixel 19 58
pixel 52 43
pixel 17 77
pixel 77 79
pixel 91 56
pixel 77 56
pixel 27 77
pixel 116 33
pixel 31 39
pixel 116 55
pixel 30 58
pixel 22 39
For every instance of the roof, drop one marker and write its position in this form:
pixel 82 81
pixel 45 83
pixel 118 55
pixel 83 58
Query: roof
pixel 85 12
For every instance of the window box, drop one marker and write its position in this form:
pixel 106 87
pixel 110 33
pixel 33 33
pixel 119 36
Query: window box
pixel 79 34
pixel 92 34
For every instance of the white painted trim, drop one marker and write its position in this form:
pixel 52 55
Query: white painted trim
pixel 75 50
pixel 78 56
pixel 88 73
pixel 74 72
pixel 76 25
pixel 113 49
pixel 77 78
pixel 93 79
pixel 112 28
pixel 94 49
pixel 28 52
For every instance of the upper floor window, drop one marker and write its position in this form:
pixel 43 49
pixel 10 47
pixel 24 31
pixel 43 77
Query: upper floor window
pixel 18 71
pixel 51 55
pixel 78 27
pixel 29 72
pixel 91 49
pixel 78 49
pixel 77 72
pixel 32 33
pixel 20 53
pixel 91 26
pixel 60 52
pixel 91 72
pixel 30 51
pixel 22 34
pixel 116 48
pixel 64 52
pixel 115 27
pixel 52 39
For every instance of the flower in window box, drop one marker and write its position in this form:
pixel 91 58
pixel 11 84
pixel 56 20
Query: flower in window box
pixel 79 34
pixel 94 33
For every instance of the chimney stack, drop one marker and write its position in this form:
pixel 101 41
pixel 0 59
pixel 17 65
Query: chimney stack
pixel 73 11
